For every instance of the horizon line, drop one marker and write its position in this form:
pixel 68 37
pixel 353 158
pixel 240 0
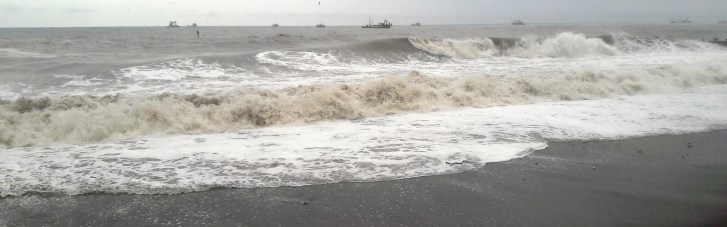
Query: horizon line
pixel 405 25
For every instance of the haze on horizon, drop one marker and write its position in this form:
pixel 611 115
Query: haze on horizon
pixel 102 13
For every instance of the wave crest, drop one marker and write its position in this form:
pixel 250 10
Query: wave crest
pixel 44 121
pixel 470 48
pixel 563 45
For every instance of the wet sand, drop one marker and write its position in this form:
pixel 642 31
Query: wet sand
pixel 675 180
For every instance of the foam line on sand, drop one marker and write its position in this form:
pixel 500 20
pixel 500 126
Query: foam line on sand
pixel 672 180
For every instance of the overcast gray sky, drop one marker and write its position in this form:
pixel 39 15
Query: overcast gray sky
pixel 94 13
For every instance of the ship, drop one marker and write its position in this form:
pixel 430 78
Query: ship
pixel 722 22
pixel 172 24
pixel 416 24
pixel 719 42
pixel 386 24
pixel 518 22
pixel 276 25
pixel 320 26
pixel 681 21
pixel 193 25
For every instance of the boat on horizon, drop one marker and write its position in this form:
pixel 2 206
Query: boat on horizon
pixel 681 21
pixel 518 22
pixel 719 42
pixel 722 22
pixel 386 24
pixel 276 25
pixel 193 25
pixel 172 24
pixel 416 24
pixel 320 26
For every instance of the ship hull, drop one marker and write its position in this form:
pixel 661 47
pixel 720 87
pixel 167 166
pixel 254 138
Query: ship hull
pixel 719 42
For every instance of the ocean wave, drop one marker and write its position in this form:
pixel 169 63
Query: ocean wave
pixel 638 44
pixel 302 60
pixel 15 53
pixel 565 44
pixel 90 119
pixel 470 48
pixel 177 70
pixel 372 149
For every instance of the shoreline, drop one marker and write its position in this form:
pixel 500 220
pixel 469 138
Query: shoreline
pixel 665 180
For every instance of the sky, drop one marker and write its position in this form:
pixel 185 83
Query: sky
pixel 112 13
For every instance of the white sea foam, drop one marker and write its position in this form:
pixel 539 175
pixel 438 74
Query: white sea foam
pixel 475 57
pixel 79 81
pixel 280 69
pixel 373 149
pixel 470 48
pixel 6 93
pixel 402 116
pixel 637 44
pixel 178 70
pixel 303 60
pixel 66 76
pixel 15 53
pixel 326 67
pixel 563 45
pixel 178 76
pixel 360 70
pixel 37 122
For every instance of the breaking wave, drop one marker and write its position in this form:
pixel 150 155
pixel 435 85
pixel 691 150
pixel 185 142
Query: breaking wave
pixel 567 44
pixel 46 121
pixel 563 45
pixel 631 43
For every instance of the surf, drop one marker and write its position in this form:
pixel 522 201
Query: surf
pixel 46 121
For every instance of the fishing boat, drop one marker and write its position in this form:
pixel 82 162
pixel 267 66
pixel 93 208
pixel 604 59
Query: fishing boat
pixel 386 24
pixel 416 24
pixel 276 25
pixel 172 24
pixel 518 22
pixel 722 22
pixel 320 26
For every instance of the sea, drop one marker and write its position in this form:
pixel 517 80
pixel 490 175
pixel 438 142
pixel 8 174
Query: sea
pixel 156 110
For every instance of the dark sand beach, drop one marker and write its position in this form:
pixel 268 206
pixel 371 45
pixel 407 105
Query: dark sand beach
pixel 672 180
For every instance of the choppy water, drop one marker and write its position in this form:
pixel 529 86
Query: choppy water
pixel 158 110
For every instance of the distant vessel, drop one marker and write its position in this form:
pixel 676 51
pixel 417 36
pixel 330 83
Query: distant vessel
pixel 172 24
pixel 276 25
pixel 320 26
pixel 719 42
pixel 386 24
pixel 681 21
pixel 416 24
pixel 722 22
pixel 193 25
pixel 518 22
